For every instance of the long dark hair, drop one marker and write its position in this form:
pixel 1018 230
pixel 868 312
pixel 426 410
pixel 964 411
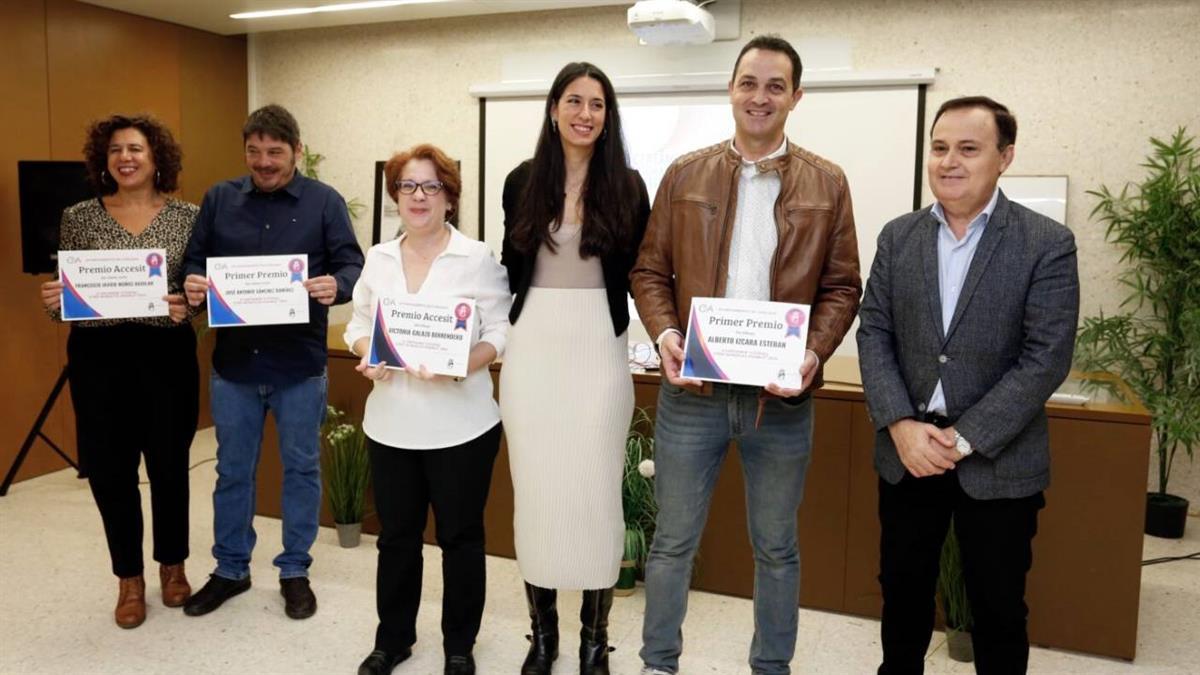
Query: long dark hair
pixel 609 193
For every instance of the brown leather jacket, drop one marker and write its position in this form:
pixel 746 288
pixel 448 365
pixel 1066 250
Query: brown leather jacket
pixel 685 252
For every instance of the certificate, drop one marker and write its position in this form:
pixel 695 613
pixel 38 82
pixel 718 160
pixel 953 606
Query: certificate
pixel 116 284
pixel 411 330
pixel 257 290
pixel 746 341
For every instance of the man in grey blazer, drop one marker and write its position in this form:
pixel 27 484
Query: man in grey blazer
pixel 967 326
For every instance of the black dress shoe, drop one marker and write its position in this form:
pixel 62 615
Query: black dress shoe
pixel 215 592
pixel 380 662
pixel 299 602
pixel 460 665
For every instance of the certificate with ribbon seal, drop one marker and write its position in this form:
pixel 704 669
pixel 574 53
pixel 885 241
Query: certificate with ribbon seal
pixel 419 330
pixel 746 341
pixel 112 284
pixel 257 290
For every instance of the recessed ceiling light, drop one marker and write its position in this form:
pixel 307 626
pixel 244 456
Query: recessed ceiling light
pixel 340 7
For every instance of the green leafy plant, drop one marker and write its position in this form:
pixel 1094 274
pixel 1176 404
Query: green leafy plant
pixel 310 163
pixel 637 487
pixel 951 585
pixel 346 465
pixel 1155 346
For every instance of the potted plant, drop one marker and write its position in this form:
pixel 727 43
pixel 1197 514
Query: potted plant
pixel 952 589
pixel 637 499
pixel 1154 347
pixel 346 465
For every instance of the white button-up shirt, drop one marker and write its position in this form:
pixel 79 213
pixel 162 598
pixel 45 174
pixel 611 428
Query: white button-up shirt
pixel 954 260
pixel 755 232
pixel 406 412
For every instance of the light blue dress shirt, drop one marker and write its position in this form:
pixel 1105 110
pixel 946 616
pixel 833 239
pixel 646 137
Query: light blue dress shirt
pixel 954 259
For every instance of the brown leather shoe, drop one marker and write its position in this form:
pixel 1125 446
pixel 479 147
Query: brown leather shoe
pixel 175 587
pixel 131 603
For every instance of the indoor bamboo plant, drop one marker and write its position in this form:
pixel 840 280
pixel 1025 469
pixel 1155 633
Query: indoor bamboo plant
pixel 346 466
pixel 1154 346
pixel 637 498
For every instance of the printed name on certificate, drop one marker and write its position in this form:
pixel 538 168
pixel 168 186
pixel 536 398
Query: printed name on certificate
pixel 746 341
pixel 257 290
pixel 414 330
pixel 112 284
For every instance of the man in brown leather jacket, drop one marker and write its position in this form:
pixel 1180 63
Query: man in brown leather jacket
pixel 755 218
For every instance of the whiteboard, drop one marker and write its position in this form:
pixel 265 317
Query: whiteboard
pixel 1046 195
pixel 871 132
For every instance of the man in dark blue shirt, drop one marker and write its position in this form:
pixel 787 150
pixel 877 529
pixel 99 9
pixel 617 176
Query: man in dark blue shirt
pixel 273 211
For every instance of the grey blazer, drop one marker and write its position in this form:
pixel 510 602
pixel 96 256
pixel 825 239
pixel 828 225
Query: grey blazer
pixel 1007 348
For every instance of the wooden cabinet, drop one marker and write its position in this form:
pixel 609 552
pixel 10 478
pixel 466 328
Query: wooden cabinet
pixel 1085 583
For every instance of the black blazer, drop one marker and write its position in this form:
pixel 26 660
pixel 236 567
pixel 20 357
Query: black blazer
pixel 616 265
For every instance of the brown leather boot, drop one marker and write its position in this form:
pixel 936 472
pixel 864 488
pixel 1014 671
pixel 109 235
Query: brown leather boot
pixel 175 587
pixel 131 603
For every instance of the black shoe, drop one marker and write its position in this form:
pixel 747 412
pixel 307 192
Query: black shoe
pixel 593 636
pixel 543 644
pixel 215 592
pixel 299 602
pixel 460 665
pixel 380 662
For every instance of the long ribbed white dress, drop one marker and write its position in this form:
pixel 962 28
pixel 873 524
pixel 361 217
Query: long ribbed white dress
pixel 566 398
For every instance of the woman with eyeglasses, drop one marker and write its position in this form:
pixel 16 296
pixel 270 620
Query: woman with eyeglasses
pixel 574 216
pixel 432 439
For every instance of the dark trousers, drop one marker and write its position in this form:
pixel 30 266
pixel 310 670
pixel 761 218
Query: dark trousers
pixel 455 481
pixel 135 389
pixel 995 536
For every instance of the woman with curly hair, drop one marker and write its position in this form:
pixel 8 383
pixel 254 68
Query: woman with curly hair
pixel 134 382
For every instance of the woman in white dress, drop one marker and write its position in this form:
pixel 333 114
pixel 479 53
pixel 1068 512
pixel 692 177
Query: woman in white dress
pixel 573 219
pixel 432 439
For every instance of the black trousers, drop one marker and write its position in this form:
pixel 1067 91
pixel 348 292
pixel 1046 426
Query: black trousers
pixel 455 481
pixel 995 536
pixel 135 389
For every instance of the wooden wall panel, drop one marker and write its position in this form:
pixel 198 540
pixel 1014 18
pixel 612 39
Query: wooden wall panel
pixel 863 596
pixel 63 64
pixel 103 62
pixel 213 104
pixel 1083 542
pixel 29 355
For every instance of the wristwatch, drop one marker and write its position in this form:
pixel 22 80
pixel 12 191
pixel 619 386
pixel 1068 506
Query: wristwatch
pixel 962 445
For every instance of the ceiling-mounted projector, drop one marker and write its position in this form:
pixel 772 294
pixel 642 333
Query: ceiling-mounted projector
pixel 671 22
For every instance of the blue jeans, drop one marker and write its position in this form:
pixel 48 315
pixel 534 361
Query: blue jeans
pixel 692 434
pixel 239 411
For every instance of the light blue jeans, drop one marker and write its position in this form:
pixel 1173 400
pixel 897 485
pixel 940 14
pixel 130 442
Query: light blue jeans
pixel 692 434
pixel 239 411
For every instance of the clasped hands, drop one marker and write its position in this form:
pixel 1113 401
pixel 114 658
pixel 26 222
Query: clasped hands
pixel 924 449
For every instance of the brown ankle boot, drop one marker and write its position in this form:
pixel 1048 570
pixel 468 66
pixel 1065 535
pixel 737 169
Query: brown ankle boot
pixel 131 603
pixel 175 587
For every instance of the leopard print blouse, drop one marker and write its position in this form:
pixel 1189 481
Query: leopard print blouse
pixel 88 226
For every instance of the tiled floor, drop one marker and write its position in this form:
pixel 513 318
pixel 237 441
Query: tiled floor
pixel 56 598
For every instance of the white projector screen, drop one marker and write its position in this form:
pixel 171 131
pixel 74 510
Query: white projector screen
pixel 873 133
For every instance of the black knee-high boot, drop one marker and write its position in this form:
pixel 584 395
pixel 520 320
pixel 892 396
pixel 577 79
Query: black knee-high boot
pixel 593 636
pixel 543 643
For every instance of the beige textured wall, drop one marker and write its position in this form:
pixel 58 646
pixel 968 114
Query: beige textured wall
pixel 1090 81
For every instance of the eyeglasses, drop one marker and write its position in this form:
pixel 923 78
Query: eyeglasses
pixel 429 187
